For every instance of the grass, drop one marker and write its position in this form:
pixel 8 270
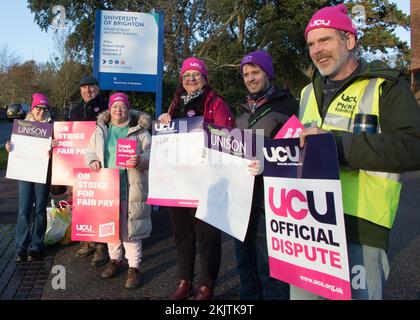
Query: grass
pixel 3 159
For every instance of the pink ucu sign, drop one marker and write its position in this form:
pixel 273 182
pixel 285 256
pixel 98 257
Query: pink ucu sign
pixel 306 203
pixel 320 22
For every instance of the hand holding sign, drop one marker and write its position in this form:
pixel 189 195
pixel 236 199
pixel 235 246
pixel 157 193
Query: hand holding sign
pixel 95 166
pixel 133 161
pixel 308 132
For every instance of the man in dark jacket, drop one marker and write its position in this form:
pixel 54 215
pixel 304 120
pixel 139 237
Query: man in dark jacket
pixel 92 102
pixel 88 109
pixel 375 120
pixel 267 108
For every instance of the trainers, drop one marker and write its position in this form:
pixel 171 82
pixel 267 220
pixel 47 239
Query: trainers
pixel 86 249
pixel 133 278
pixel 114 268
pixel 101 255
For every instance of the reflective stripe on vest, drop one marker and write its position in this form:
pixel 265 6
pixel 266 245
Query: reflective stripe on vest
pixel 368 195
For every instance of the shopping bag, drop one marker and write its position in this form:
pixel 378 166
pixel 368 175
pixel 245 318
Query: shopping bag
pixel 66 206
pixel 58 220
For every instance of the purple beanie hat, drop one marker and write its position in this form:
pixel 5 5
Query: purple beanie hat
pixel 332 17
pixel 192 63
pixel 39 99
pixel 261 59
pixel 118 96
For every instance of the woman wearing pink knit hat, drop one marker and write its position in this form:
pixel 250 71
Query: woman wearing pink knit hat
pixel 30 240
pixel 194 97
pixel 135 220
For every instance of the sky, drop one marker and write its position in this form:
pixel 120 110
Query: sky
pixel 25 40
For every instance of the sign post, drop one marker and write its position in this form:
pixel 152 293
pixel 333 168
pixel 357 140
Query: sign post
pixel 128 52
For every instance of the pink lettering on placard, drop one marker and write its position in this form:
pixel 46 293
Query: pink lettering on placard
pixel 286 203
pixel 290 199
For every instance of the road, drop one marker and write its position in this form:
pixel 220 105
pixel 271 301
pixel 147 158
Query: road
pixel 404 244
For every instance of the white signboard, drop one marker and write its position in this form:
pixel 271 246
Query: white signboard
pixel 128 43
pixel 176 169
pixel 226 194
pixel 29 157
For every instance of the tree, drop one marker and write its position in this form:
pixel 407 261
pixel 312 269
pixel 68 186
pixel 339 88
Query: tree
pixel 68 72
pixel 18 84
pixel 222 31
pixel 7 59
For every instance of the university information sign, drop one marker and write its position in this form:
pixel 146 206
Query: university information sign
pixel 128 52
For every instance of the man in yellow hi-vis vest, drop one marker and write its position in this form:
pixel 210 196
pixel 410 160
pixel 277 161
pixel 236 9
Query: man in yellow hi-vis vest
pixel 375 120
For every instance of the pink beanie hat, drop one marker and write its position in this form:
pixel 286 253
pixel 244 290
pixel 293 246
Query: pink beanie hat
pixel 118 96
pixel 39 99
pixel 192 63
pixel 332 17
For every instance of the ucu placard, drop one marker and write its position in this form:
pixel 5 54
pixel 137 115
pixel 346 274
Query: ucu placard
pixel 297 204
pixel 288 154
pixel 306 236
pixel 160 127
pixel 181 125
pixel 84 227
pixel 282 157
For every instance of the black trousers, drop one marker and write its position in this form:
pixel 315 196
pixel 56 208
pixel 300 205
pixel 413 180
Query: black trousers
pixel 188 230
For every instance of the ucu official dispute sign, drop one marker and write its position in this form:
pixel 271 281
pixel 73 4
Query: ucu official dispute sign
pixel 306 237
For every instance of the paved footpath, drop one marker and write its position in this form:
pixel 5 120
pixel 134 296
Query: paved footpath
pixel 158 271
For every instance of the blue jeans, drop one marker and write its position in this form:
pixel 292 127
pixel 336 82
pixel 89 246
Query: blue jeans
pixel 369 270
pixel 31 240
pixel 252 263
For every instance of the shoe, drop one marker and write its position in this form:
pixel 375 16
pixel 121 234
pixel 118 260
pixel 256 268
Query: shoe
pixel 114 268
pixel 20 258
pixel 34 256
pixel 133 278
pixel 183 291
pixel 86 249
pixel 203 293
pixel 101 255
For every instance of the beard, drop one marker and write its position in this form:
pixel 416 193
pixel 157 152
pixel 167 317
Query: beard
pixel 332 70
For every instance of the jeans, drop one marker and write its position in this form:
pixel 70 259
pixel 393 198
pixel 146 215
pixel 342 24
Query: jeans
pixel 369 270
pixel 31 240
pixel 252 263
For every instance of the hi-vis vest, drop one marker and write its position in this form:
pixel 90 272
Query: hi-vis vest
pixel 368 195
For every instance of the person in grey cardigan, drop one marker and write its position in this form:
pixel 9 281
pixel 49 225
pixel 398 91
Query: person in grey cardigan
pixel 135 214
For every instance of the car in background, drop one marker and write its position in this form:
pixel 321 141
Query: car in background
pixel 17 111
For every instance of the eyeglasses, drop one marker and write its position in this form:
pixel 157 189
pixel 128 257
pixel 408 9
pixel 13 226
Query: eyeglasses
pixel 39 108
pixel 194 76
